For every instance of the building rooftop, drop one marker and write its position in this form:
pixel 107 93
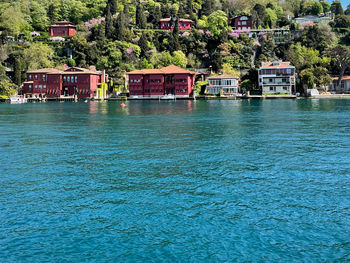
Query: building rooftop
pixel 223 76
pixel 172 69
pixel 180 19
pixel 279 64
pixel 344 78
pixel 72 70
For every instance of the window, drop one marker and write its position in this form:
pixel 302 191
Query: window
pixel 30 87
pixel 40 87
pixel 36 76
pixel 285 88
pixel 64 78
pixel 271 89
pixel 29 76
pixel 289 71
pixel 44 77
pixel 44 86
pixel 244 22
pixel 239 23
pixel 76 79
pixel 36 86
pixel 131 81
pixel 68 79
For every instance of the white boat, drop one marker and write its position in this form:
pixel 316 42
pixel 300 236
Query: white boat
pixel 17 99
pixel 167 97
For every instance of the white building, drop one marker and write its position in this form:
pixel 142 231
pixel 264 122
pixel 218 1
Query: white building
pixel 277 78
pixel 311 18
pixel 344 85
pixel 226 83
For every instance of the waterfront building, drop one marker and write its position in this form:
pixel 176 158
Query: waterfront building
pixel 159 82
pixel 54 83
pixel 277 78
pixel 242 22
pixel 223 84
pixel 169 23
pixel 344 85
pixel 63 28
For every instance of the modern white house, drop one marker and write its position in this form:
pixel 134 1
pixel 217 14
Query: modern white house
pixel 277 78
pixel 344 85
pixel 225 84
pixel 310 18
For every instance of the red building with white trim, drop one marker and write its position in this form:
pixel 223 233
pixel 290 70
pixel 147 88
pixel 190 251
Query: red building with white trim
pixel 169 24
pixel 53 83
pixel 63 28
pixel 158 82
pixel 242 22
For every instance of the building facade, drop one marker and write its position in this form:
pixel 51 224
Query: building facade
pixel 63 28
pixel 344 85
pixel 277 78
pixel 170 80
pixel 312 19
pixel 169 23
pixel 242 22
pixel 53 83
pixel 223 84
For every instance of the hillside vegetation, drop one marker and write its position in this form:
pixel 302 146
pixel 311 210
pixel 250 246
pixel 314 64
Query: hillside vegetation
pixel 121 36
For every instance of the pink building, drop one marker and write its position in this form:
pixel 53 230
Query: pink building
pixel 63 28
pixel 169 23
pixel 53 83
pixel 158 82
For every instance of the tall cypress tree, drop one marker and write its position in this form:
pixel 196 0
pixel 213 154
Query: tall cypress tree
pixel 140 17
pixel 181 12
pixel 112 6
pixel 109 28
pixel 143 44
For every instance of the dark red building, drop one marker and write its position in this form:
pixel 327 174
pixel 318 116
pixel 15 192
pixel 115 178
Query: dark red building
pixel 169 23
pixel 242 22
pixel 158 82
pixel 63 28
pixel 53 83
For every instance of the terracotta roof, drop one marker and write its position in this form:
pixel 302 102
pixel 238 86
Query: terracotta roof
pixel 281 64
pixel 44 70
pixel 343 78
pixel 180 19
pixel 172 69
pixel 224 76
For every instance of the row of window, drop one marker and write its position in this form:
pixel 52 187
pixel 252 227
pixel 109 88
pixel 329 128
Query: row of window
pixel 276 71
pixel 36 77
pixel 70 79
pixel 274 88
pixel 135 80
pixel 223 82
pixel 36 86
pixel 181 80
pixel 242 23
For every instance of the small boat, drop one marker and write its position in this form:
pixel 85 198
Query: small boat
pixel 17 99
pixel 167 97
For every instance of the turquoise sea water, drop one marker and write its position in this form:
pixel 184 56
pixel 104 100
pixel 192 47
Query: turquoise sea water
pixel 184 181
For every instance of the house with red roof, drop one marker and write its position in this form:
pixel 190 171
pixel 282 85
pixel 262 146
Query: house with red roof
pixel 63 28
pixel 344 86
pixel 169 23
pixel 226 84
pixel 242 22
pixel 277 77
pixel 148 83
pixel 55 83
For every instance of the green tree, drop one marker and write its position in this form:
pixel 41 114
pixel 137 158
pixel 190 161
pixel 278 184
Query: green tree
pixel 217 23
pixel 270 17
pixel 208 7
pixel 38 14
pixel 325 5
pixel 143 44
pixel 342 21
pixel 316 8
pixel 308 78
pixel 141 21
pixel 258 15
pixel 341 57
pixel 337 8
pixel 13 20
pixel 37 56
pixel 7 88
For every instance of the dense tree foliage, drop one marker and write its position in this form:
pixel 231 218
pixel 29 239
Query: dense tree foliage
pixel 122 35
